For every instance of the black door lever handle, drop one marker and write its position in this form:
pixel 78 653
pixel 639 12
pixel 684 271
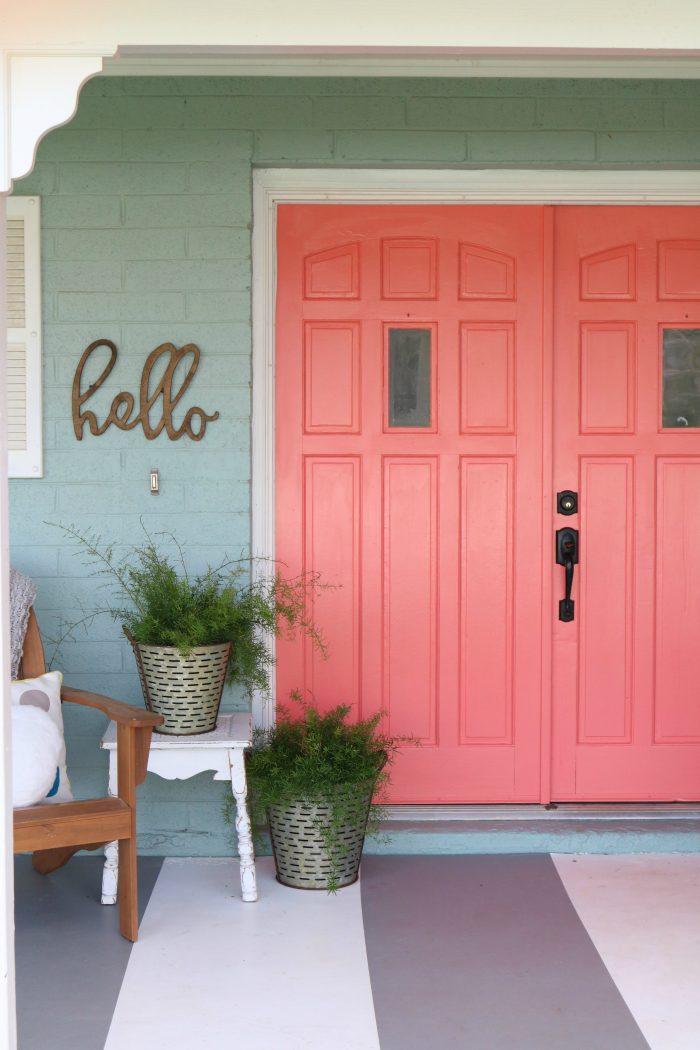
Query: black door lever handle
pixel 567 555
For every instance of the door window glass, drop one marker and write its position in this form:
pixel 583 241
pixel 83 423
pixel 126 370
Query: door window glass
pixel 681 377
pixel 409 377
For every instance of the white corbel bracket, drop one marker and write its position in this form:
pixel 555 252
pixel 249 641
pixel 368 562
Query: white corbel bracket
pixel 38 92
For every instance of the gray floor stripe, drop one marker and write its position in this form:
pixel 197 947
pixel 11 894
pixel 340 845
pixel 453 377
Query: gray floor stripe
pixel 70 957
pixel 485 953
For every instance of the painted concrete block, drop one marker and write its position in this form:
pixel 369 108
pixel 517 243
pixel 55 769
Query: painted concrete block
pixel 120 244
pixel 228 530
pixel 469 113
pixel 70 212
pixel 94 276
pixel 122 686
pixel 390 147
pixel 225 306
pixel 106 87
pixel 84 593
pixel 28 499
pixel 231 400
pixel 83 656
pixel 183 844
pixel 82 464
pixel 129 497
pixel 209 817
pixel 677 89
pixel 217 496
pixel 67 341
pixel 682 113
pixel 293 147
pixel 340 112
pixel 564 147
pixel 161 816
pixel 243 86
pixel 68 144
pixel 227 371
pixel 35 561
pixel 54 622
pixel 212 336
pixel 120 306
pixel 42 179
pixel 185 466
pixel 127 112
pixel 123 178
pixel 216 243
pixel 634 147
pixel 187 275
pixel 280 111
pixel 592 114
pixel 64 434
pixel 214 177
pixel 86 722
pixel 191 144
pixel 212 210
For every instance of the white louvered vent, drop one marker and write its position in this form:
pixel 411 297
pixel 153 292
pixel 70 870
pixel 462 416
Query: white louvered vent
pixel 16 298
pixel 17 397
pixel 23 380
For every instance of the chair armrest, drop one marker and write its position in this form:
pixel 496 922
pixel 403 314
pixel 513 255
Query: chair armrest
pixel 123 714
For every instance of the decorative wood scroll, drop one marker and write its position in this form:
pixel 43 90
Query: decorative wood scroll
pixel 120 413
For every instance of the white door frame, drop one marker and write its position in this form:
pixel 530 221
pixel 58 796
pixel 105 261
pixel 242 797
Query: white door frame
pixel 273 186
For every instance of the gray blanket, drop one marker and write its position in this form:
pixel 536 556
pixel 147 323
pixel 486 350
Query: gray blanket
pixel 22 596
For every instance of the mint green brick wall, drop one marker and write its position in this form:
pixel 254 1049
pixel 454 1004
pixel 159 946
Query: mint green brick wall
pixel 146 199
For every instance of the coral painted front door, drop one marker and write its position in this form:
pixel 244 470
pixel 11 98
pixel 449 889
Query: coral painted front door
pixel 626 673
pixel 409 445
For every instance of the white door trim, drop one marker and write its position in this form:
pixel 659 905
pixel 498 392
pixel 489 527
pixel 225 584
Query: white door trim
pixel 273 186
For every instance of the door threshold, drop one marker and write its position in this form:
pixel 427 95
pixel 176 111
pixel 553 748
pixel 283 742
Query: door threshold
pixel 579 811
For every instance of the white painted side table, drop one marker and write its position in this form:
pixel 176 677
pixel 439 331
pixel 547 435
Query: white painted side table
pixel 181 757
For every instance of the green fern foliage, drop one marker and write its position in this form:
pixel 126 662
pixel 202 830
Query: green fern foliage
pixel 159 603
pixel 315 756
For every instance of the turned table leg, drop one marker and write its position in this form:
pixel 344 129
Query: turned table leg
pixel 239 787
pixel 110 871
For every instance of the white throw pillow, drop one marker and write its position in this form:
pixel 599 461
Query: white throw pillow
pixel 36 749
pixel 45 693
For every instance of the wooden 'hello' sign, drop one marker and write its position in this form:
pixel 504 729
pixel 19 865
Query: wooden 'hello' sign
pixel 121 411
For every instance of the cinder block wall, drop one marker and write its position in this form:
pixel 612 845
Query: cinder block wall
pixel 146 209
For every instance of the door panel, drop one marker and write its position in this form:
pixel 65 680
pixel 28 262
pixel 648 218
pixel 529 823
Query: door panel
pixel 626 672
pixel 409 457
pixel 409 473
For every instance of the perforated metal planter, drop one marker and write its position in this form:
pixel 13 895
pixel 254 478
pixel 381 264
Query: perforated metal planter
pixel 186 690
pixel 301 850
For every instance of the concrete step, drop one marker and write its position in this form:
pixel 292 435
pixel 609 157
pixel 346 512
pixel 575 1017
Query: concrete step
pixel 566 828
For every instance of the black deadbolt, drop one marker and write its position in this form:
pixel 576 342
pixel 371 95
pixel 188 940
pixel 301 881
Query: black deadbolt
pixel 567 502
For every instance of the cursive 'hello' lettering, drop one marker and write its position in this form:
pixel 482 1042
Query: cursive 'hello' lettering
pixel 121 415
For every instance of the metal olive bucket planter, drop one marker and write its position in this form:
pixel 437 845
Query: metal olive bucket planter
pixel 300 848
pixel 186 690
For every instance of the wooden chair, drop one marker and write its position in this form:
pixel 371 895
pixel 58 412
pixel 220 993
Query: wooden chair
pixel 53 832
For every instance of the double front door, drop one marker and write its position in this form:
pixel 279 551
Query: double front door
pixel 442 372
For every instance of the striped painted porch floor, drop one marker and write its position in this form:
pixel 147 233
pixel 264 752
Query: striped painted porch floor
pixel 472 952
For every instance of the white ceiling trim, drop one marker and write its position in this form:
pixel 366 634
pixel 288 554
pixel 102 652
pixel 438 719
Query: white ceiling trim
pixel 405 62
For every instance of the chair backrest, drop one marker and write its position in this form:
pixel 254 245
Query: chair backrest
pixel 33 660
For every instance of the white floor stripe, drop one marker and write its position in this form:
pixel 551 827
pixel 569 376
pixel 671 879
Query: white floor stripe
pixel 643 915
pixel 287 973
